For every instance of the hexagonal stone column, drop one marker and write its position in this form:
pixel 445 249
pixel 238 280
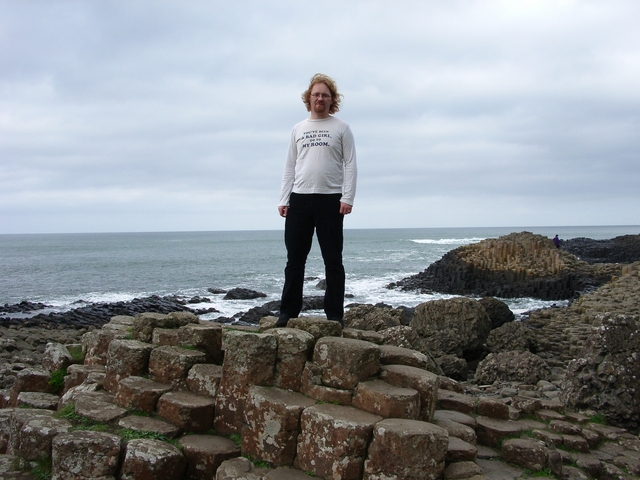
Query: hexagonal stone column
pixel 272 417
pixel 345 362
pixel 205 337
pixel 17 419
pixel 249 360
pixel 172 364
pixel 76 374
pixel 408 449
pixel 145 323
pixel 424 382
pixel 148 458
pixel 204 379
pixel 85 454
pixel 189 411
pixel 35 436
pixel 205 453
pixel 294 347
pixel 124 359
pixel 333 441
pixel 140 393
pixel 29 380
pixel 96 344
pixel 379 397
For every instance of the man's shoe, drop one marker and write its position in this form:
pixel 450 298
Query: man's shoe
pixel 282 321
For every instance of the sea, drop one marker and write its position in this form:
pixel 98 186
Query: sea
pixel 67 271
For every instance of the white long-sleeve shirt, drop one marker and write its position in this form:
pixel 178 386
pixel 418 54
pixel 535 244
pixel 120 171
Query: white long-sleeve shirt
pixel 321 159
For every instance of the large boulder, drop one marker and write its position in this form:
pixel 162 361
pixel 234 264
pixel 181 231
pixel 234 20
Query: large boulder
pixel 456 326
pixel 514 336
pixel 606 375
pixel 522 367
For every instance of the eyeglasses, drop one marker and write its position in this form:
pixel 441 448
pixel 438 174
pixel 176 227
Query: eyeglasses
pixel 318 95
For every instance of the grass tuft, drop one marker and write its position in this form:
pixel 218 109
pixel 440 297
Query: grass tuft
pixel 56 381
pixel 41 469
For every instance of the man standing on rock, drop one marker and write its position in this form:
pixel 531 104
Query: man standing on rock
pixel 318 187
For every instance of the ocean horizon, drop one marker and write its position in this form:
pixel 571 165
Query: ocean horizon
pixel 68 270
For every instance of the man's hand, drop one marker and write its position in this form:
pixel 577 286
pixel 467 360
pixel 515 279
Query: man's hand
pixel 345 208
pixel 282 210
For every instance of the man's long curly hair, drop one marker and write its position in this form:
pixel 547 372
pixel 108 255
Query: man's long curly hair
pixel 331 85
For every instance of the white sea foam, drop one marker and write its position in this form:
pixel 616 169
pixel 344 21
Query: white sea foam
pixel 448 241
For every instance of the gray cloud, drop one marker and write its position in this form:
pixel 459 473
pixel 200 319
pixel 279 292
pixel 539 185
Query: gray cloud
pixel 128 116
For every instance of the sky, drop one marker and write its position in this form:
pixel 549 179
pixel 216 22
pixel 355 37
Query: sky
pixel 127 116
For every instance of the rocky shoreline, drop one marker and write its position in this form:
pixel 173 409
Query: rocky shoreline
pixel 575 363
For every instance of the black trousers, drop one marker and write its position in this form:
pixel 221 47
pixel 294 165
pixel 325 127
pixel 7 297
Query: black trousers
pixel 309 212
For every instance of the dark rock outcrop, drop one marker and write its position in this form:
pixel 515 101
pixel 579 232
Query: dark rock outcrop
pixel 243 294
pixel 515 265
pixel 623 249
pixel 498 311
pixel 93 315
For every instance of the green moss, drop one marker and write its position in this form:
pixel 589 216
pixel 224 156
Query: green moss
pixel 141 413
pixel 56 381
pixel 128 434
pixel 258 463
pixel 236 438
pixel 599 419
pixel 76 352
pixel 546 473
pixel 41 469
pixel 68 412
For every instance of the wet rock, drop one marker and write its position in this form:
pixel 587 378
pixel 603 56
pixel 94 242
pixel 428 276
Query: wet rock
pixel 243 294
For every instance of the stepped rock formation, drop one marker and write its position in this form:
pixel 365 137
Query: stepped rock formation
pixel 515 265
pixel 308 401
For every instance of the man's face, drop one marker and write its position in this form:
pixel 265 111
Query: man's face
pixel 320 100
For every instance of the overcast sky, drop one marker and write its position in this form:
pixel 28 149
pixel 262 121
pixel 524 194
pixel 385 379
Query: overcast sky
pixel 170 116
